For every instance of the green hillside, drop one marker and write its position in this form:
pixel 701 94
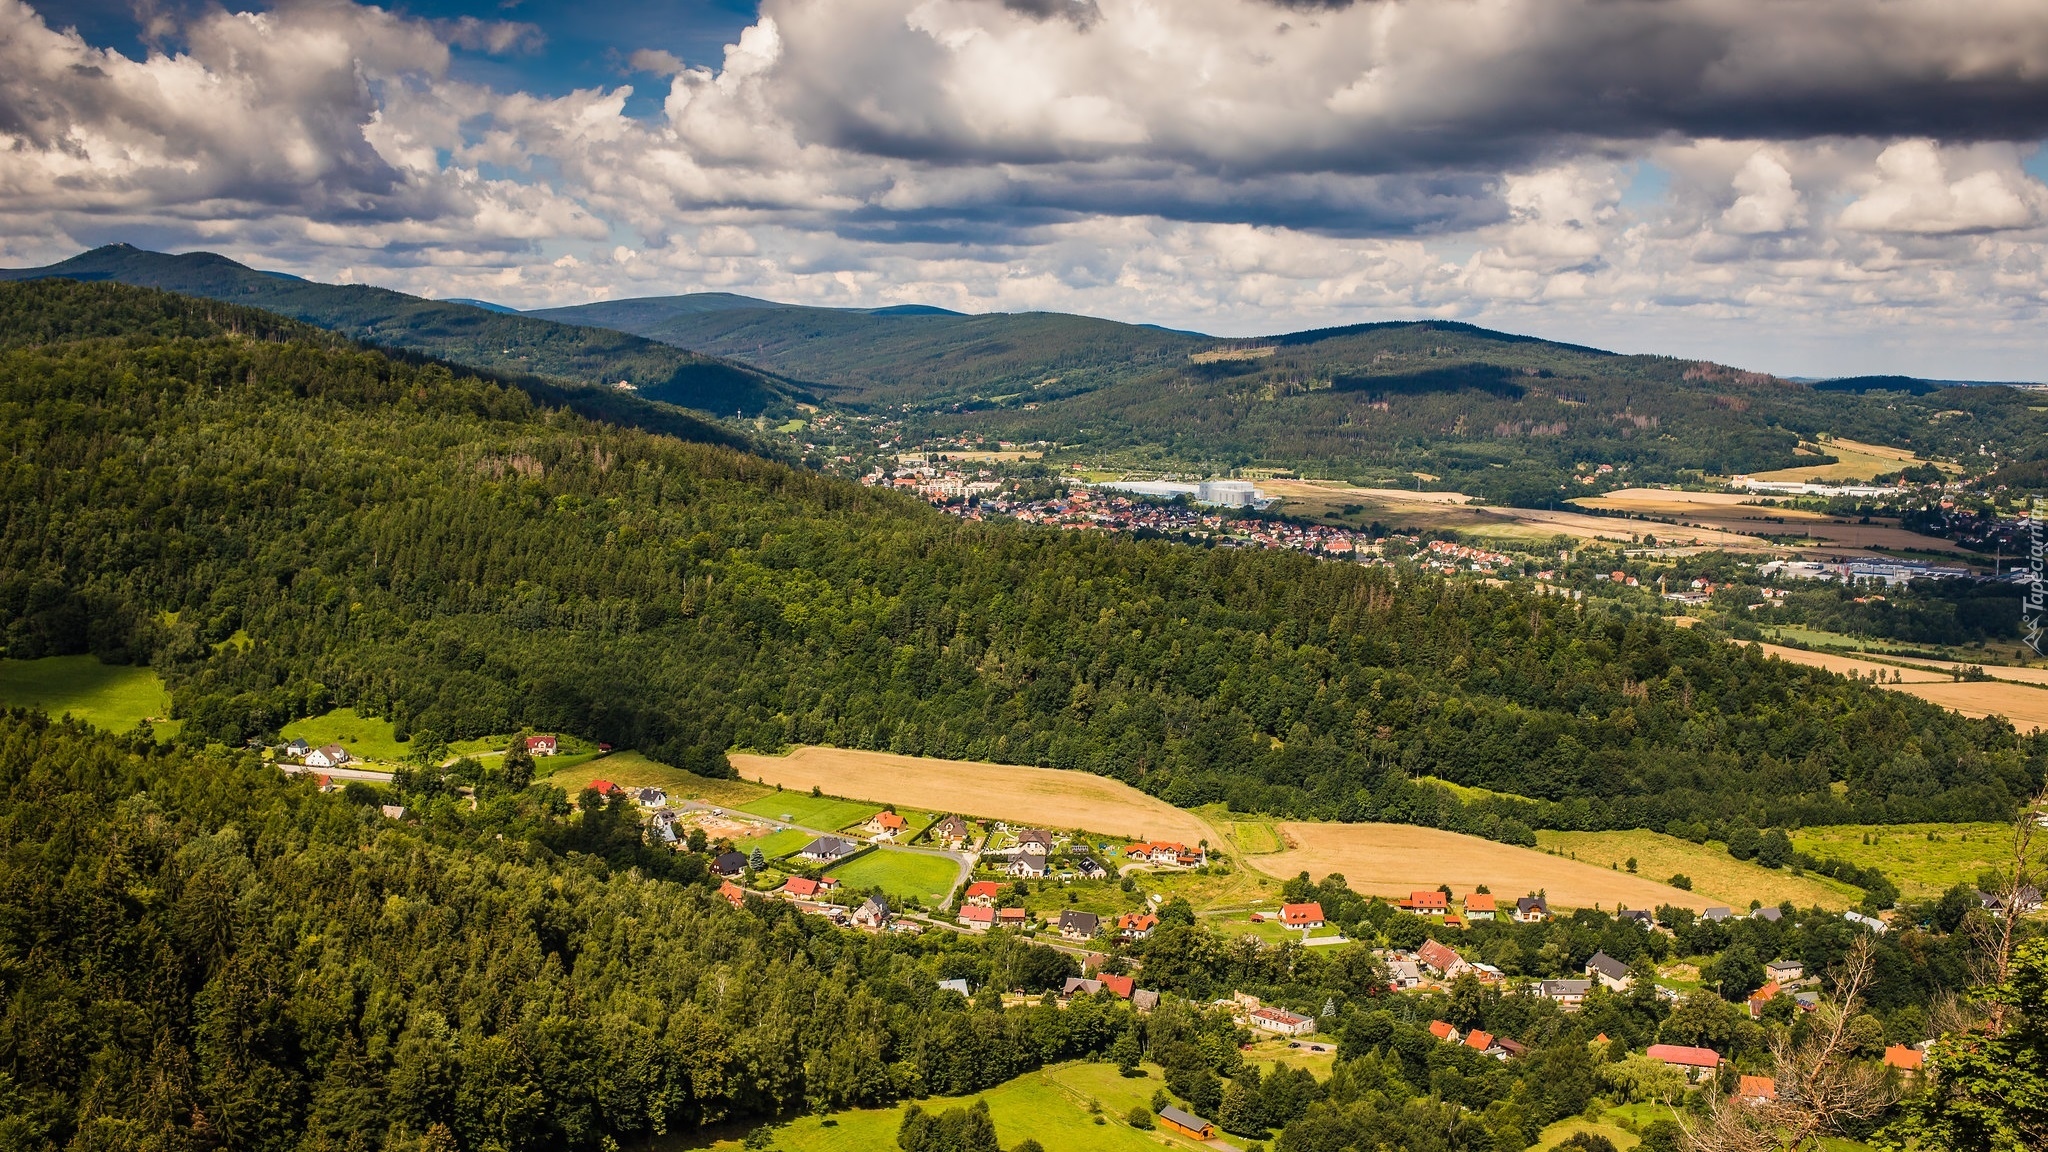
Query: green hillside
pixel 1504 416
pixel 439 551
pixel 481 338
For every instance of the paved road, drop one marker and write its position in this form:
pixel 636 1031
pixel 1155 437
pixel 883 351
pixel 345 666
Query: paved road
pixel 336 773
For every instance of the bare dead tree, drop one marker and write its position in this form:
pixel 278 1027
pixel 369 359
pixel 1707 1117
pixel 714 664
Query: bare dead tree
pixel 1992 937
pixel 1820 1087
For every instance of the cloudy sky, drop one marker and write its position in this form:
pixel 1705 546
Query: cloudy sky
pixel 1809 187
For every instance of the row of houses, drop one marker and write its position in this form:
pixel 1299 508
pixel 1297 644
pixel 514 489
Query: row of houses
pixel 979 912
pixel 1436 905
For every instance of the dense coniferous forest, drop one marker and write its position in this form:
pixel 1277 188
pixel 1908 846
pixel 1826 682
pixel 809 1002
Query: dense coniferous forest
pixel 435 548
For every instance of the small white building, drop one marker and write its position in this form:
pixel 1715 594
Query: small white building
pixel 1281 1021
pixel 327 756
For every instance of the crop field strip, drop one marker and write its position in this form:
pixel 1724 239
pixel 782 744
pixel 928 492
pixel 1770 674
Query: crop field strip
pixel 1716 876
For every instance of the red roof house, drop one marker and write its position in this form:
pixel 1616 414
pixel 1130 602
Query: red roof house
pixel 603 787
pixel 978 916
pixel 803 887
pixel 1694 1060
pixel 1121 985
pixel 1427 903
pixel 1443 1031
pixel 1904 1058
pixel 1440 957
pixel 983 892
pixel 733 893
pixel 1757 1089
pixel 1478 1041
pixel 1301 915
pixel 541 745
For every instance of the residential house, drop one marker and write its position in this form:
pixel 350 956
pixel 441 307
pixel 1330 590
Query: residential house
pixel 651 798
pixel 1427 904
pixel 803 887
pixel 957 984
pixel 1079 925
pixel 952 832
pixel 1136 925
pixel 984 893
pixel 1482 1042
pixel 1487 973
pixel 1187 1124
pixel 872 913
pixel 1904 1058
pixel 601 787
pixel 1694 1062
pixel 1479 906
pixel 1611 973
pixel 1281 1021
pixel 1088 869
pixel 327 756
pixel 542 745
pixel 827 850
pixel 977 917
pixel 832 912
pixel 1569 994
pixel 1079 986
pixel 1636 916
pixel 1532 910
pixel 1168 853
pixel 1443 1031
pixel 1440 958
pixel 1034 842
pixel 1870 922
pixel 885 825
pixel 1761 997
pixel 1784 971
pixel 1404 974
pixel 733 893
pixel 1123 986
pixel 1716 914
pixel 1012 918
pixel 1303 916
pixel 1026 867
pixel 1767 913
pixel 728 864
pixel 1144 999
pixel 1756 1089
pixel 297 749
pixel 1510 1048
pixel 392 811
pixel 325 783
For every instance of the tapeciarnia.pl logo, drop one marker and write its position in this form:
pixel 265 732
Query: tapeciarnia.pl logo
pixel 2034 609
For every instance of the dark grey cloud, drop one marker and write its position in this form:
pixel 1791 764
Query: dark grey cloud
pixel 1081 13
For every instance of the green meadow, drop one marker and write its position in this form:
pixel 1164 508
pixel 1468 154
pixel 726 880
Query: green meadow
pixel 115 697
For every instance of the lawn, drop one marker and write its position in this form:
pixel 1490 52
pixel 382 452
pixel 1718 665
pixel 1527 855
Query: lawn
pixel 1050 1106
pixel 1270 931
pixel 900 874
pixel 1716 876
pixel 1564 1130
pixel 828 813
pixel 777 843
pixel 115 697
pixel 1919 866
pixel 1102 897
pixel 365 737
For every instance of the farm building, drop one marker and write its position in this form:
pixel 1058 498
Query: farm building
pixel 1479 906
pixel 1427 904
pixel 1281 1021
pixel 327 756
pixel 542 745
pixel 1187 1124
pixel 1301 915
pixel 1694 1062
pixel 1532 910
pixel 827 850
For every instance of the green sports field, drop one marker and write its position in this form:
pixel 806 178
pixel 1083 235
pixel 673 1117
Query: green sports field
pixel 115 697
pixel 900 874
pixel 823 812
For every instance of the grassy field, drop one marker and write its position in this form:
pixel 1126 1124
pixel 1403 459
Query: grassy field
pixel 776 844
pixel 1716 876
pixel 826 812
pixel 1050 1106
pixel 1043 797
pixel 1564 1130
pixel 115 697
pixel 901 874
pixel 1396 859
pixel 365 737
pixel 2024 704
pixel 1919 866
pixel 1254 838
pixel 1854 461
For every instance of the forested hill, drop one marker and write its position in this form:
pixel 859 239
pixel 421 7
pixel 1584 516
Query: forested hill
pixel 497 341
pixel 437 549
pixel 1504 416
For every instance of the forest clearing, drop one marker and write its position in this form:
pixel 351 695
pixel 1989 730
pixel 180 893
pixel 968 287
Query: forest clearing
pixel 1045 797
pixel 1924 860
pixel 114 697
pixel 1392 860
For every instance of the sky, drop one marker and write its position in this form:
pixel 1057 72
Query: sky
pixel 1806 187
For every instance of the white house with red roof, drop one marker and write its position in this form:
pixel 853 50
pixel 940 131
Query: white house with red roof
pixel 977 917
pixel 983 893
pixel 542 745
pixel 1694 1062
pixel 1427 904
pixel 1304 916
pixel 1281 1021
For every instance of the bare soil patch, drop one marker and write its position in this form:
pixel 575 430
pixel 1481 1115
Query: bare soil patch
pixel 1396 859
pixel 1043 797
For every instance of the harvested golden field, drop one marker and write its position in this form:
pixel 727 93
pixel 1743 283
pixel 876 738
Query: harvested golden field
pixel 1396 859
pixel 1740 513
pixel 1855 460
pixel 1589 527
pixel 1045 797
pixel 2026 706
pixel 1716 876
